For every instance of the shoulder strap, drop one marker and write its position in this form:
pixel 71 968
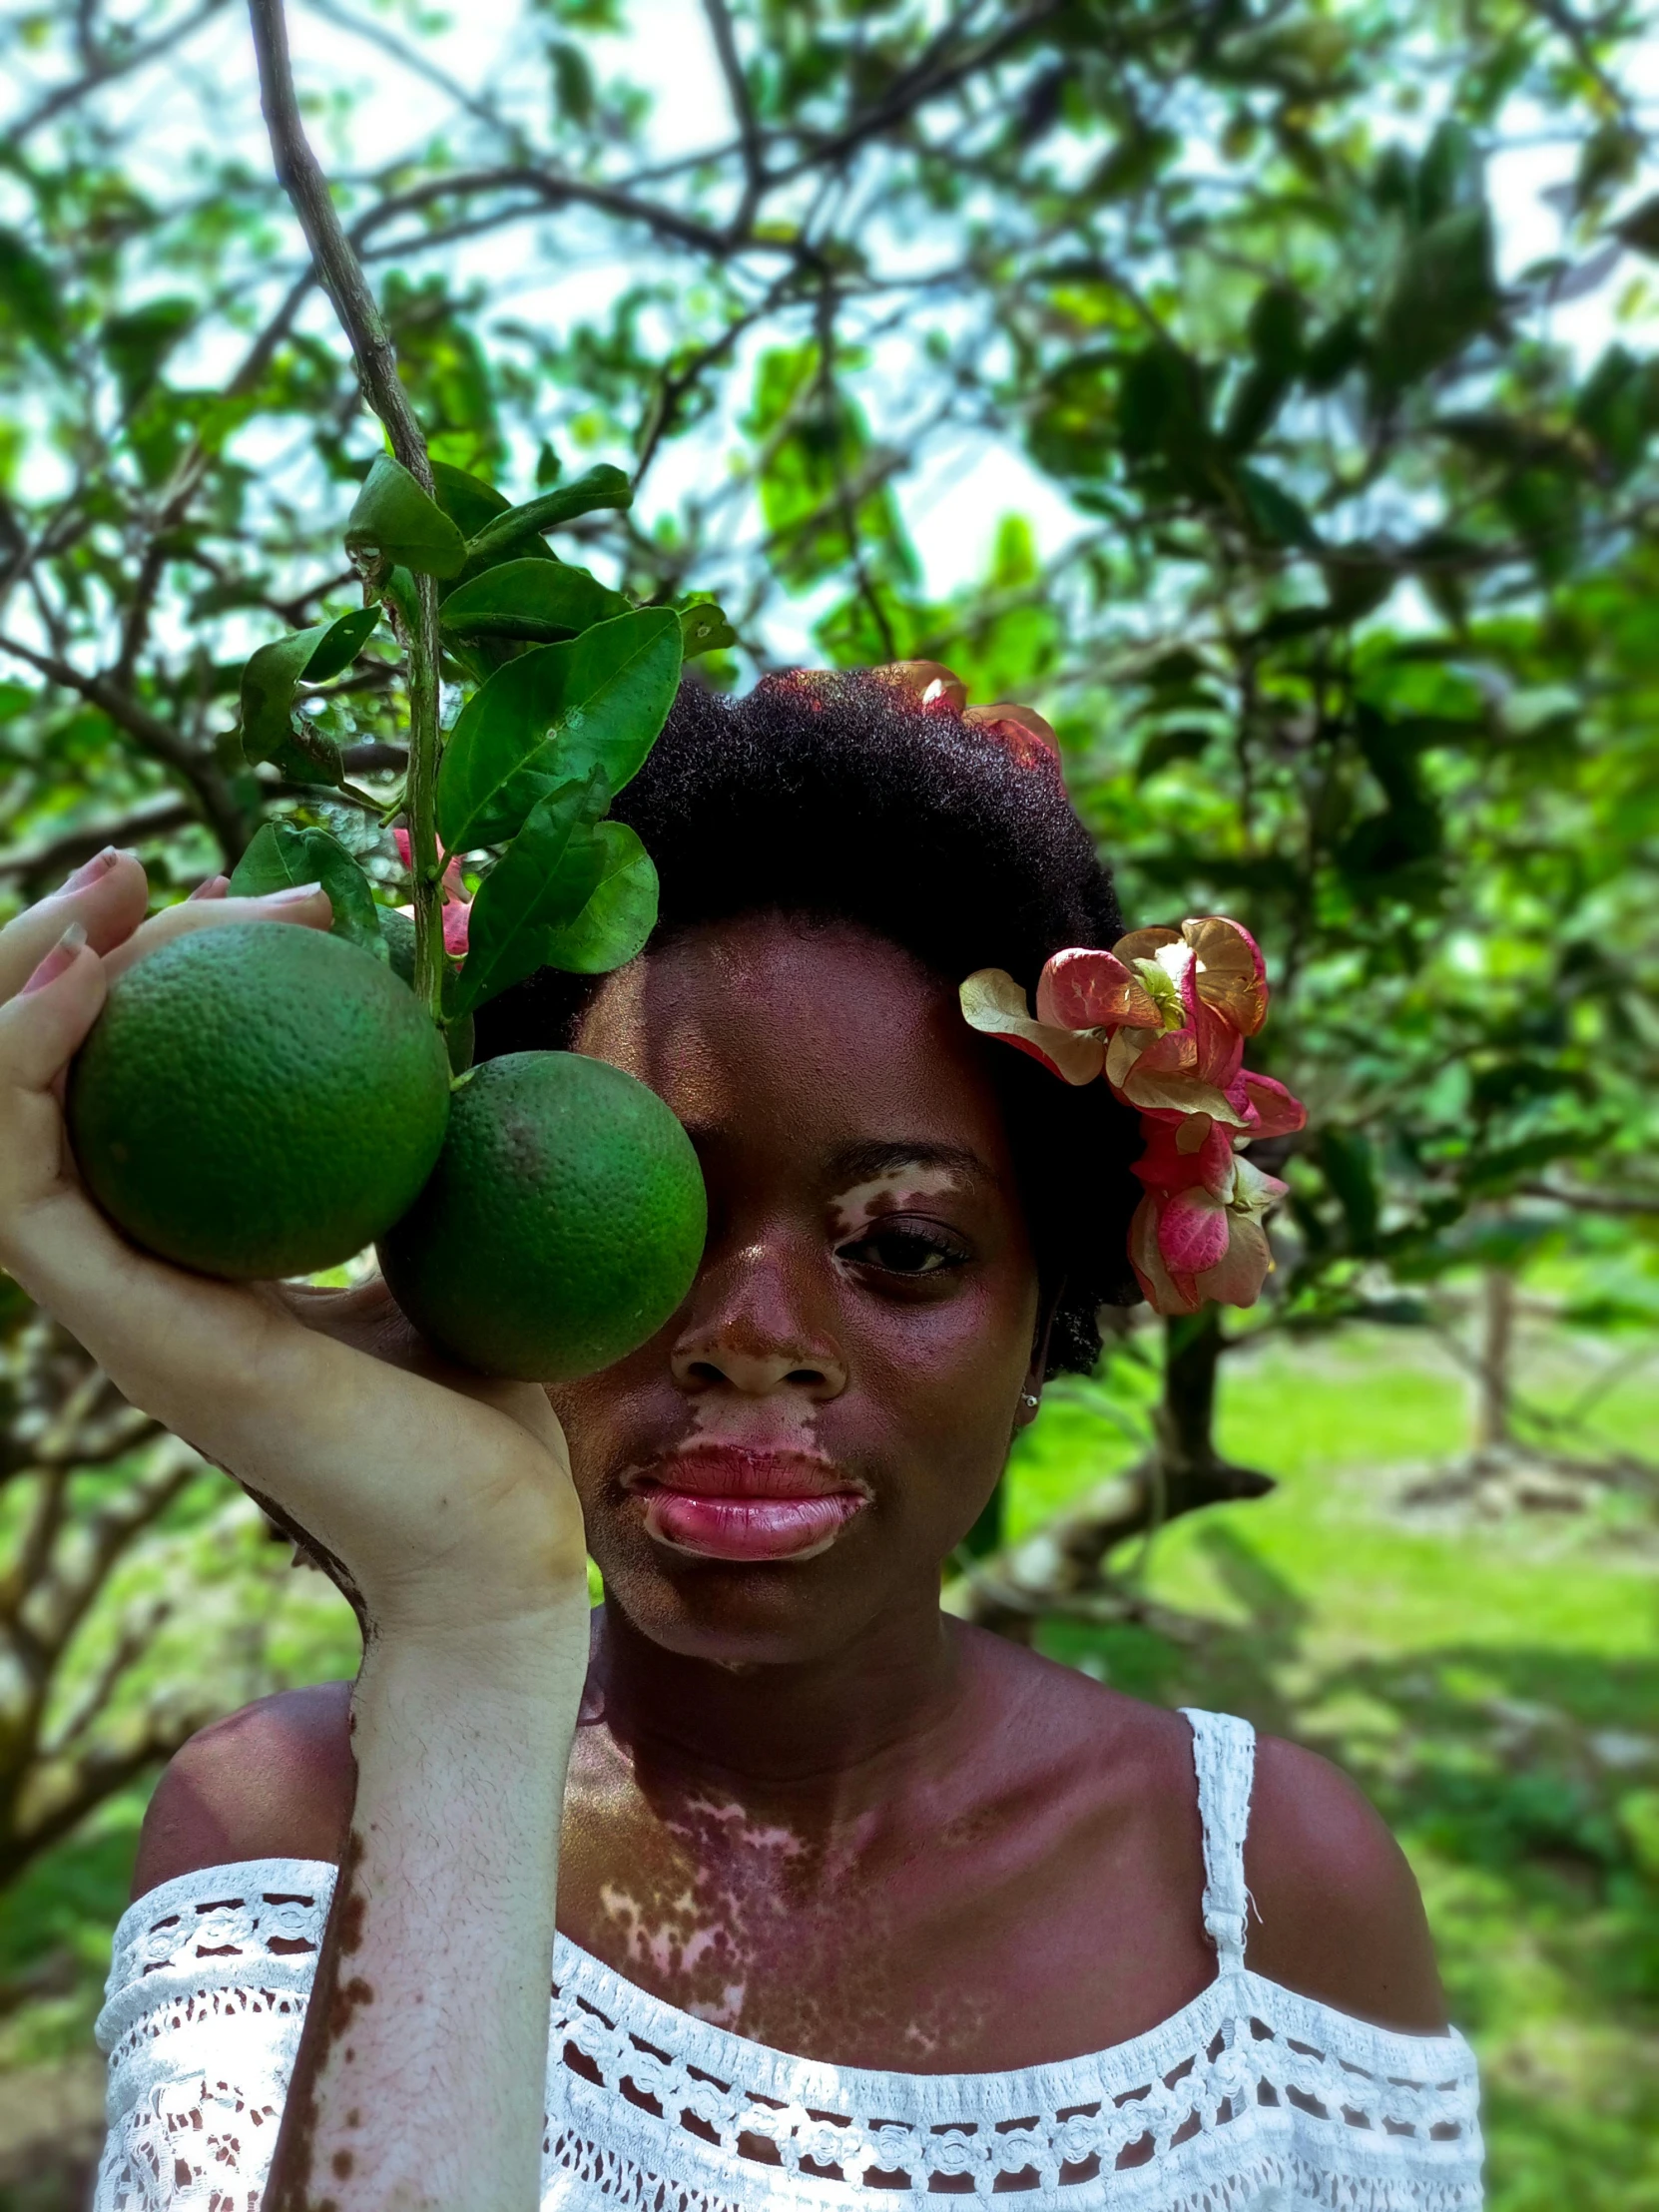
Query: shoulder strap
pixel 1224 1753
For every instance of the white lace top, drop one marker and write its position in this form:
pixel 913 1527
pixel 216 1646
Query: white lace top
pixel 1248 2099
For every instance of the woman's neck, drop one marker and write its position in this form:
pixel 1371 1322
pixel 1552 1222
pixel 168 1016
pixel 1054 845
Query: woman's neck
pixel 815 1741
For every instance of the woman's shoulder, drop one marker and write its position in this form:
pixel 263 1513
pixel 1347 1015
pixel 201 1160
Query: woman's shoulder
pixel 1333 1908
pixel 1336 1912
pixel 273 1780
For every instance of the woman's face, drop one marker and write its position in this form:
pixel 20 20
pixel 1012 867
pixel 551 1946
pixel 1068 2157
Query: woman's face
pixel 799 1447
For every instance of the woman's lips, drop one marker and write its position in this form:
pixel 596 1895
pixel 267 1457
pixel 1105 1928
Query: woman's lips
pixel 720 1502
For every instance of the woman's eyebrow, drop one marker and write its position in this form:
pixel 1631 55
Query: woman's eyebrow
pixel 862 1163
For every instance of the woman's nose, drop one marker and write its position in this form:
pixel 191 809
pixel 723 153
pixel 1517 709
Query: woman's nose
pixel 750 1333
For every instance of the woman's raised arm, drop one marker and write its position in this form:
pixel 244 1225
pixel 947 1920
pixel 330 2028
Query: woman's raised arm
pixel 451 1514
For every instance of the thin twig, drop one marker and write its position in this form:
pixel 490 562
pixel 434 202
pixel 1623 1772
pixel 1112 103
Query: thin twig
pixel 742 110
pixel 197 768
pixel 342 276
pixel 103 68
pixel 419 65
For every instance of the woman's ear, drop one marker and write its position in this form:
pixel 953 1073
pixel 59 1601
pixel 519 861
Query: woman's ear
pixel 1031 1387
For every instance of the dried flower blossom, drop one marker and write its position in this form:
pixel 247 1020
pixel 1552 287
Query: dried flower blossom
pixel 1163 1018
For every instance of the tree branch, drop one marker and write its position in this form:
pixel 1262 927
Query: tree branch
pixel 336 266
pixel 553 189
pixel 917 88
pixel 159 738
pixel 138 1631
pixel 61 1598
pixel 1586 1200
pixel 342 278
pixel 52 857
pixel 742 111
pixel 104 69
pixel 56 1801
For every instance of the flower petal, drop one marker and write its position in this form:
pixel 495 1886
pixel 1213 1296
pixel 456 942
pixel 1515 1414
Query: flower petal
pixel 1084 989
pixel 1236 1278
pixel 1232 975
pixel 1253 1193
pixel 1277 1114
pixel 1177 1093
pixel 1159 1288
pixel 1122 1051
pixel 1020 732
pixel 1192 1230
pixel 1144 944
pixel 1172 1052
pixel 457 917
pixel 1219 1052
pixel 454 888
pixel 922 683
pixel 1192 1132
pixel 994 1003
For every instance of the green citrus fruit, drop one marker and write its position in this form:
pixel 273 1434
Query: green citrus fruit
pixel 562 1225
pixel 257 1100
pixel 398 931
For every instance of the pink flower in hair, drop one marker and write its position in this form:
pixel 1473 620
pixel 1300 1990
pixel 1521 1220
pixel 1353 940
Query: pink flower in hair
pixel 457 907
pixel 1162 1017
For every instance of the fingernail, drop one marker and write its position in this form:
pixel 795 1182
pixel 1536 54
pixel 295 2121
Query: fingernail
pixel 90 871
pixel 61 956
pixel 214 888
pixel 293 894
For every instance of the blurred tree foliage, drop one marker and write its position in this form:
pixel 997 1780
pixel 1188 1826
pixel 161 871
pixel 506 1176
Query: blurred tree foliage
pixel 1351 635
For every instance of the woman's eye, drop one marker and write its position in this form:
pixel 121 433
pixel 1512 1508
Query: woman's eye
pixel 904 1248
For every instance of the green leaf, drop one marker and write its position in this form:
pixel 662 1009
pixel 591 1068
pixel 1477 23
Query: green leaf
pixel 1274 328
pixel 1640 227
pixel 1443 293
pixel 538 888
pixel 1358 579
pixel 621 911
pixel 1448 174
pixel 704 629
pixel 554 713
pixel 537 599
pixel 1275 333
pixel 399 588
pixel 1273 513
pixel 269 683
pixel 1350 1170
pixel 393 520
pixel 340 644
pixel 1161 405
pixel 29 293
pixel 507 535
pixel 1186 741
pixel 135 344
pixel 280 856
pixel 468 501
pixel 1328 359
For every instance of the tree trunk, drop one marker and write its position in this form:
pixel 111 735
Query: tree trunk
pixel 1063 1568
pixel 1498 1335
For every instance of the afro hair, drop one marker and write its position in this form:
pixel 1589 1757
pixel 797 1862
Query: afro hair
pixel 837 797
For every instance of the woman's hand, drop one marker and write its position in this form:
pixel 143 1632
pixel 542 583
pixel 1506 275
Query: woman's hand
pixel 448 1499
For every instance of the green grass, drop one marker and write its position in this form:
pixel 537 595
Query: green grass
pixel 1494 1687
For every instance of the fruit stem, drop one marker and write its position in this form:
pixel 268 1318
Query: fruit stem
pixel 420 791
pixel 341 273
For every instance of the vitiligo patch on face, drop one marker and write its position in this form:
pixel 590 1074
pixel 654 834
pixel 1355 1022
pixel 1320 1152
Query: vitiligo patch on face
pixel 894 1191
pixel 781 1421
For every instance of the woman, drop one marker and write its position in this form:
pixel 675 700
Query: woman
pixel 852 1900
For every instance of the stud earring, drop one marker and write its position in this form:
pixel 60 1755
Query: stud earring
pixel 1027 1397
